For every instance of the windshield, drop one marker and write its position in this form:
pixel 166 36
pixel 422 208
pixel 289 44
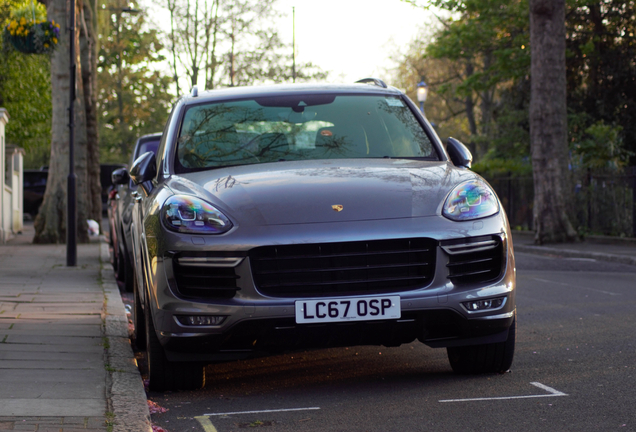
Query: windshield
pixel 299 128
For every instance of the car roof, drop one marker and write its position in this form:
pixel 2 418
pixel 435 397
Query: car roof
pixel 287 89
pixel 150 137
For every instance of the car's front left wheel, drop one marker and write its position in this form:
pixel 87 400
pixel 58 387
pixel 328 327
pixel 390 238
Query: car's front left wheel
pixel 163 374
pixel 123 268
pixel 138 321
pixel 486 358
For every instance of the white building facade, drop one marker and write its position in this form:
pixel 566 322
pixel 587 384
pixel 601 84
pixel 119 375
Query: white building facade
pixel 11 184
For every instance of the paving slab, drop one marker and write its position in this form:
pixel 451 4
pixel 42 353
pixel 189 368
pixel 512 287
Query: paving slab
pixel 73 390
pixel 50 328
pixel 62 318
pixel 63 297
pixel 55 424
pixel 38 354
pixel 80 349
pixel 53 407
pixel 51 340
pixel 34 378
pixel 74 365
pixel 60 308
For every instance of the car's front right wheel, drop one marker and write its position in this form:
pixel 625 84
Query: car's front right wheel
pixel 164 375
pixel 486 358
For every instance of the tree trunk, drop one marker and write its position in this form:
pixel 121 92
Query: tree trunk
pixel 172 7
pixel 211 60
pixel 50 224
pixel 89 76
pixel 548 122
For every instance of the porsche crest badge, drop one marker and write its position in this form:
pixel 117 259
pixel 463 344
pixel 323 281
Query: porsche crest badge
pixel 337 207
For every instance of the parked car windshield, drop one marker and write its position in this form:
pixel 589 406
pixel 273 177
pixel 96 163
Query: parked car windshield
pixel 147 146
pixel 299 127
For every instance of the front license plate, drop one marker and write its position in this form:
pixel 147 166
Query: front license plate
pixel 347 309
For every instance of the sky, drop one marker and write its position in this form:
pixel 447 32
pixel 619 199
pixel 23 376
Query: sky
pixel 352 39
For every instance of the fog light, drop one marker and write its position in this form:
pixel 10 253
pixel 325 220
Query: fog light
pixel 481 305
pixel 200 320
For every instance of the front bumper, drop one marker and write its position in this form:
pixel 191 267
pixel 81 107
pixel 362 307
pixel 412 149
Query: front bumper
pixel 436 328
pixel 435 313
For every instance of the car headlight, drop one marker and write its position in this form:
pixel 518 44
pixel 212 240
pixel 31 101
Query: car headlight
pixel 187 214
pixel 473 199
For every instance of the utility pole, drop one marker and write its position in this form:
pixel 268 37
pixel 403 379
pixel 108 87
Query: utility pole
pixel 71 195
pixel 294 43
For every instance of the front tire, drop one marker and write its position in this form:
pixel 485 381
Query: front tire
pixel 164 375
pixel 486 358
pixel 123 270
pixel 139 323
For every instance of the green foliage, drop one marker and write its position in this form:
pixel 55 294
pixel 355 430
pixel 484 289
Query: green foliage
pixel 25 91
pixel 30 10
pixel 510 133
pixel 442 108
pixel 487 41
pixel 494 167
pixel 601 44
pixel 492 34
pixel 601 148
pixel 484 49
pixel 134 97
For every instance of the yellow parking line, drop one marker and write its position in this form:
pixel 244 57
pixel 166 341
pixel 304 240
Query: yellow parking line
pixel 206 424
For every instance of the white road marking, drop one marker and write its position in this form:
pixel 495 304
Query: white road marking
pixel 550 390
pixel 576 286
pixel 262 411
pixel 581 259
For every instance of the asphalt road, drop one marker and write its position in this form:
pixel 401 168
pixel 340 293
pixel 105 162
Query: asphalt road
pixel 574 369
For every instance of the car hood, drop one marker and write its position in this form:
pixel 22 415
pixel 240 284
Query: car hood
pixel 324 191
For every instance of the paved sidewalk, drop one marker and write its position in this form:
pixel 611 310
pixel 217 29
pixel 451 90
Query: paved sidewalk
pixel 601 248
pixel 65 357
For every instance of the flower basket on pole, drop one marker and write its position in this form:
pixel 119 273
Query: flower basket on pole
pixel 32 37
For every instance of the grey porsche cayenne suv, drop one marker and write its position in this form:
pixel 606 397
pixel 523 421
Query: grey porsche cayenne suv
pixel 296 217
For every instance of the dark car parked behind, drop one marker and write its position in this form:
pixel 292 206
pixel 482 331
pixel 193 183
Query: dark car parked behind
pixel 121 200
pixel 106 181
pixel 34 185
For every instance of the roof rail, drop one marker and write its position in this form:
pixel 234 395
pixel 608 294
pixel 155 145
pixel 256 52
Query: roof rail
pixel 195 91
pixel 375 81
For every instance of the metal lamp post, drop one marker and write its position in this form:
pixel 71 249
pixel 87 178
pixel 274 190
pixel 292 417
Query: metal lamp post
pixel 422 93
pixel 71 198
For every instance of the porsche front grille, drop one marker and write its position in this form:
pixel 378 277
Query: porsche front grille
pixel 339 269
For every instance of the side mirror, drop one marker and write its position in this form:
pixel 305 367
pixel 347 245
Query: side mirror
pixel 144 168
pixel 459 153
pixel 120 176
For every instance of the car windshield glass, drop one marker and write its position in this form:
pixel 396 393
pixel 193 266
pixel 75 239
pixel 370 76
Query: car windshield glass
pixel 148 146
pixel 299 128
